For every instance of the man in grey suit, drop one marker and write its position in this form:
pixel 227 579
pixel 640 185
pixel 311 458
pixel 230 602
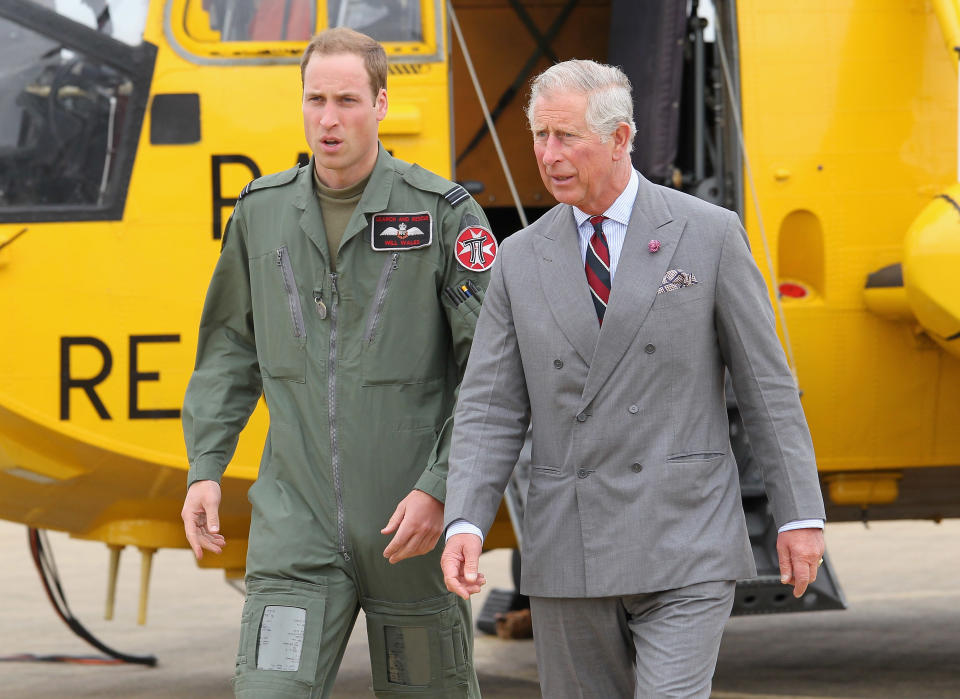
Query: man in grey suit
pixel 608 324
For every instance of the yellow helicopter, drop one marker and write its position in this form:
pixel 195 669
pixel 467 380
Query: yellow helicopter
pixel 128 127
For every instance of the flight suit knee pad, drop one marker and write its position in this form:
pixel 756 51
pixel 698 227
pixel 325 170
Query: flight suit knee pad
pixel 420 648
pixel 280 634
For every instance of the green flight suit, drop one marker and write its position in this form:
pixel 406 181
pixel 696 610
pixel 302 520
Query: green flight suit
pixel 360 370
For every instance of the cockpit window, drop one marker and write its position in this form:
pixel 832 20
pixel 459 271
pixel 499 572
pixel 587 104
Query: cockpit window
pixel 393 20
pixel 123 20
pixel 69 109
pixel 219 28
pixel 250 20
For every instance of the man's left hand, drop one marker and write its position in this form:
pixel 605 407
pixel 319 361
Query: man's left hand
pixel 800 552
pixel 418 523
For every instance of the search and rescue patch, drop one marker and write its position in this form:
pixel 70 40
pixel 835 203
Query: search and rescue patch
pixel 476 248
pixel 401 231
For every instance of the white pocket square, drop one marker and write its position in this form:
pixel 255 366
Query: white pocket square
pixel 676 279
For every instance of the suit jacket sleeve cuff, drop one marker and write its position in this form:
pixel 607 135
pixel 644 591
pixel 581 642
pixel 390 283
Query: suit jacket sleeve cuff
pixel 801 524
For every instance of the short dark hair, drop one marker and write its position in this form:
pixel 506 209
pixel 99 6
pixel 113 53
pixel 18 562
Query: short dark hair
pixel 346 40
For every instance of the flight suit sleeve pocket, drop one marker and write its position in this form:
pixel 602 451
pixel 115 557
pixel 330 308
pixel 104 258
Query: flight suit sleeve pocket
pixel 280 631
pixel 417 648
pixel 278 316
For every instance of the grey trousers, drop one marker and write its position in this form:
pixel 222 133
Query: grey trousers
pixel 662 644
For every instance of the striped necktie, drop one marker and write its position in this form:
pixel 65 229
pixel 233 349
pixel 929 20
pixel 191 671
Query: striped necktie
pixel 598 267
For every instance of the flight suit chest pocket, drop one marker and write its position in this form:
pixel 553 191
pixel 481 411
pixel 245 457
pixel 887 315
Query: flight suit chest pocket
pixel 278 316
pixel 280 632
pixel 405 335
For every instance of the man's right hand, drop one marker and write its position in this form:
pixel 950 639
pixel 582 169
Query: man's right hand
pixel 201 519
pixel 459 564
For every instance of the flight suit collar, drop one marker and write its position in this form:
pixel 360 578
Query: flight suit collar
pixel 375 198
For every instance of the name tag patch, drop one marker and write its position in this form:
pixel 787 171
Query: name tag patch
pixel 401 231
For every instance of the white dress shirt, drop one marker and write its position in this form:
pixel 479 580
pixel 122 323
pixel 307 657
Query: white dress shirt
pixel 615 231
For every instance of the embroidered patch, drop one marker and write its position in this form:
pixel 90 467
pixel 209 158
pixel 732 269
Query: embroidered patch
pixel 476 248
pixel 456 195
pixel 401 231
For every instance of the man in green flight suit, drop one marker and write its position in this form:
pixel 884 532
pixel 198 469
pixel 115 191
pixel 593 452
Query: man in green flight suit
pixel 346 292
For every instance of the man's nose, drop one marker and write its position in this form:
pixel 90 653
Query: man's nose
pixel 551 151
pixel 330 118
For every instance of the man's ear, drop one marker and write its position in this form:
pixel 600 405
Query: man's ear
pixel 621 140
pixel 381 104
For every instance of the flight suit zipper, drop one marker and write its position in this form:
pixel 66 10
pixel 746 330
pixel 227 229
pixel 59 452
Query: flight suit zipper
pixel 380 295
pixel 332 409
pixel 293 296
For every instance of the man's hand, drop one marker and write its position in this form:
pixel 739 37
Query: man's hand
pixel 418 523
pixel 799 551
pixel 201 519
pixel 459 564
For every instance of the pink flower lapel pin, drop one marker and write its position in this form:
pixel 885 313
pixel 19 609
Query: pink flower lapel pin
pixel 653 246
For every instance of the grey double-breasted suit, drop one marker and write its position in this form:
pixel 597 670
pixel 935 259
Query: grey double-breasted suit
pixel 634 487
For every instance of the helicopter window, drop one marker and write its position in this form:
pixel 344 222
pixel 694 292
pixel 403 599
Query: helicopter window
pixel 64 122
pixel 212 21
pixel 393 20
pixel 123 20
pixel 250 20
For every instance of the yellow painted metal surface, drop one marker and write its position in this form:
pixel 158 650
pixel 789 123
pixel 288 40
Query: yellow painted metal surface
pixel 858 102
pixel 931 261
pixel 863 490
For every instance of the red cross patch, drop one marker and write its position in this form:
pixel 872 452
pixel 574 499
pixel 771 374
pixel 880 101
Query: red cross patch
pixel 475 249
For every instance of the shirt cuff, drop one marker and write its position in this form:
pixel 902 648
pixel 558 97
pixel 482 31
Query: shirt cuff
pixel 800 524
pixel 462 526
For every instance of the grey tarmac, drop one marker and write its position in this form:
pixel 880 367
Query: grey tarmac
pixel 900 638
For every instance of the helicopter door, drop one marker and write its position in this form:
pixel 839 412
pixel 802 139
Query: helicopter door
pixel 72 101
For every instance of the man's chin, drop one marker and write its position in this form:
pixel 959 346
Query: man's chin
pixel 327 160
pixel 564 197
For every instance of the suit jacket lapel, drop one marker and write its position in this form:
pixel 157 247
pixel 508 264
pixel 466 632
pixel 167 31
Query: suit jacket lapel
pixel 564 281
pixel 635 283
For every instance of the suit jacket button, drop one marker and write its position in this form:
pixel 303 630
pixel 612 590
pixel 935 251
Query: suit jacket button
pixel 558 364
pixel 581 473
pixel 637 468
pixel 650 349
pixel 581 417
pixel 633 409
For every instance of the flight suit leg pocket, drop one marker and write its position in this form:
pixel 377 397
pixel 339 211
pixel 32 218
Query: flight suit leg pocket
pixel 280 634
pixel 418 648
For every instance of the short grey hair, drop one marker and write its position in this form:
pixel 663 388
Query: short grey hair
pixel 608 90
